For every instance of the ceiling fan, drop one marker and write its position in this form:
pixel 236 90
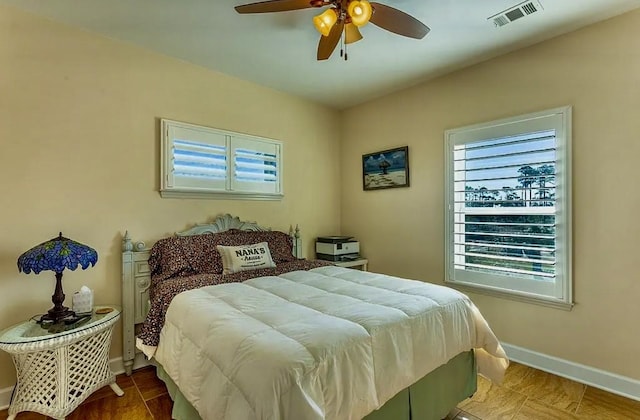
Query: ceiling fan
pixel 344 17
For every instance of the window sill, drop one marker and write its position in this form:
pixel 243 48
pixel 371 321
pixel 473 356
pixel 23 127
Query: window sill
pixel 220 195
pixel 519 297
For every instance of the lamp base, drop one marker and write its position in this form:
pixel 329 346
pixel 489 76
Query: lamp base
pixel 59 312
pixel 56 315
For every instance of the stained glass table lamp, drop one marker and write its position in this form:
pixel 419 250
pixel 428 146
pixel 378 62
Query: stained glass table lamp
pixel 56 255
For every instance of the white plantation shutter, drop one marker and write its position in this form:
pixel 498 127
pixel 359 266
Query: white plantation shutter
pixel 256 166
pixel 197 159
pixel 508 222
pixel 208 163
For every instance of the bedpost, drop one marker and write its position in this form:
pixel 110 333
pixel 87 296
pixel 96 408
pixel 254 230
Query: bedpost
pixel 128 332
pixel 297 241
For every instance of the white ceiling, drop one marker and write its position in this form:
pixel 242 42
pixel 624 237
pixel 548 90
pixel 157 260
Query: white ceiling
pixel 278 50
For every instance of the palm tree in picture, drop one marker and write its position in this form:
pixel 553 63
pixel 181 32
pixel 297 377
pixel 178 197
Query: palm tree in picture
pixel 384 165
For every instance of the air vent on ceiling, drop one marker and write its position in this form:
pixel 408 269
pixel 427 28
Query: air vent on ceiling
pixel 516 12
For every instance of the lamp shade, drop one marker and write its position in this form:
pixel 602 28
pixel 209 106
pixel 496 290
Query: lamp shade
pixel 325 21
pixel 57 254
pixel 360 12
pixel 351 33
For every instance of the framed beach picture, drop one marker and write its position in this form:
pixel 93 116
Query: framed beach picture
pixel 386 169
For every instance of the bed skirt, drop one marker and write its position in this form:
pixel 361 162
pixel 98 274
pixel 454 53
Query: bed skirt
pixel 431 398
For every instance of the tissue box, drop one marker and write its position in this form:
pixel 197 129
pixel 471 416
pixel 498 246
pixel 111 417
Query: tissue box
pixel 83 301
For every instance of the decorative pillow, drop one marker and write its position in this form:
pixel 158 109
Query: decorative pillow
pixel 167 259
pixel 200 251
pixel 280 243
pixel 197 254
pixel 245 257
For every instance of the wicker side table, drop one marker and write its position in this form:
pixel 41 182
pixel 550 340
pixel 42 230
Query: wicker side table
pixel 56 371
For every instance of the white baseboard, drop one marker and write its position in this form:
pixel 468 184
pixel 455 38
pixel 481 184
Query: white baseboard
pixel 597 378
pixel 117 367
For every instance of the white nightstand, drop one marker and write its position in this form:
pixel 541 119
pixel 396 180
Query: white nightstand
pixel 56 371
pixel 362 263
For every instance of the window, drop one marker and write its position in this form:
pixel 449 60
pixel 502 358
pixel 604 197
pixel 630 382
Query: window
pixel 208 163
pixel 508 207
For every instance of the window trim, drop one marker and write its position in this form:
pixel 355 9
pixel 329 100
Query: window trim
pixel 168 191
pixel 505 127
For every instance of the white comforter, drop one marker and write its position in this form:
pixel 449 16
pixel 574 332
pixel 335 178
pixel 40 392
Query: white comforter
pixel 330 343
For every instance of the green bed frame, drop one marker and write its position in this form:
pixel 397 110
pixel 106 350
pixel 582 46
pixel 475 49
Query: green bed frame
pixel 431 398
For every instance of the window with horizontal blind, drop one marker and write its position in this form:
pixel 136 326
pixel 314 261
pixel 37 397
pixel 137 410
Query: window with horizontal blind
pixel 508 225
pixel 204 162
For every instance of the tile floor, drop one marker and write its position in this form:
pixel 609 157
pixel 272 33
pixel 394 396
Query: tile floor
pixel 145 398
pixel 526 393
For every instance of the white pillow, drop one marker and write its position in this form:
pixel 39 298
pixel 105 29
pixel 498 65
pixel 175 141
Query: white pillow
pixel 245 257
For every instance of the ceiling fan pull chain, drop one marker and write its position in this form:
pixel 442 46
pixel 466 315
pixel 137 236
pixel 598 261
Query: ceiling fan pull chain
pixel 343 44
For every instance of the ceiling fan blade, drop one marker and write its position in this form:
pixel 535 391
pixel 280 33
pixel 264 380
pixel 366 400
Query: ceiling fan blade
pixel 352 33
pixel 398 22
pixel 328 43
pixel 274 6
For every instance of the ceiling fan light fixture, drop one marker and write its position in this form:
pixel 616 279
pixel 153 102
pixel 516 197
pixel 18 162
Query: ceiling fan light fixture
pixel 339 23
pixel 325 21
pixel 360 12
pixel 351 34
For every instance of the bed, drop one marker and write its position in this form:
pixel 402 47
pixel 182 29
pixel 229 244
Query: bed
pixel 297 339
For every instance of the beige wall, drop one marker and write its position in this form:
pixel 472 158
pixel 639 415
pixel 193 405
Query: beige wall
pixel 597 71
pixel 79 135
pixel 79 132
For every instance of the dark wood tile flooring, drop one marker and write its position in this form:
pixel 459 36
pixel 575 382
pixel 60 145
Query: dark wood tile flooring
pixel 145 398
pixel 526 393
